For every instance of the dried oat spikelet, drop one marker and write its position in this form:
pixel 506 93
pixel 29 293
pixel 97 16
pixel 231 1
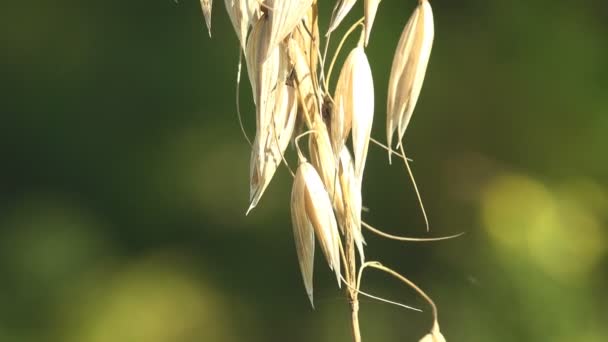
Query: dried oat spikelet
pixel 408 70
pixel 284 16
pixel 362 108
pixel 272 143
pixel 370 7
pixel 243 14
pixel 305 83
pixel 355 103
pixel 323 159
pixel 306 34
pixel 206 6
pixel 342 115
pixel 304 236
pixel 263 71
pixel 310 206
pixel 350 217
pixel 340 11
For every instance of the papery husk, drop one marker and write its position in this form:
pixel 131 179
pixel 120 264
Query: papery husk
pixel 304 234
pixel 370 8
pixel 354 107
pixel 351 197
pixel 206 5
pixel 309 107
pixel 339 13
pixel 284 16
pixel 274 131
pixel 323 159
pixel 408 70
pixel 242 13
pixel 311 204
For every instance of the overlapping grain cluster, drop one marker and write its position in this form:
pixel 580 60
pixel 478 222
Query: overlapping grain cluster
pixel 291 91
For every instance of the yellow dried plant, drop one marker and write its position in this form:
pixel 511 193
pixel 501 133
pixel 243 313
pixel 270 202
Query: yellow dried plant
pixel 290 80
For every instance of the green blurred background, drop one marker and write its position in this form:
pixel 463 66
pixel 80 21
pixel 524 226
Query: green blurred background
pixel 124 180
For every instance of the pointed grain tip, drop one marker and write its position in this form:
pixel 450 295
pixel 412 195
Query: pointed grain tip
pixel 312 304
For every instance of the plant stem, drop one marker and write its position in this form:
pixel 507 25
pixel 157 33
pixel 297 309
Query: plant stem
pixel 351 278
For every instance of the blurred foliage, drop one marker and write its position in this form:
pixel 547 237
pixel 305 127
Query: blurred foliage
pixel 123 182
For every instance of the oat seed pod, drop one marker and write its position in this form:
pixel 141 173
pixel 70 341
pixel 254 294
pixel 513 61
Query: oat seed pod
pixel 310 205
pixel 408 70
pixel 270 144
pixel 355 102
pixel 284 16
pixel 340 11
pixel 304 235
pixel 206 6
pixel 323 159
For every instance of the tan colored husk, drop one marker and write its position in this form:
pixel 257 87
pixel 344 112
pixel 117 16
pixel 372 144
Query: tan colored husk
pixel 408 70
pixel 340 11
pixel 434 336
pixel 361 105
pixel 283 16
pixel 312 205
pixel 263 72
pixel 341 118
pixel 350 217
pixel 370 7
pixel 325 162
pixel 275 120
pixel 280 42
pixel 304 234
pixel 306 34
pixel 305 84
pixel 243 14
pixel 206 6
pixel 272 143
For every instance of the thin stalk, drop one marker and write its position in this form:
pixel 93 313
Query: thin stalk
pixel 237 97
pixel 407 166
pixel 406 238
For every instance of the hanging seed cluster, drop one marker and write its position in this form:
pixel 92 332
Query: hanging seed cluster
pixel 280 40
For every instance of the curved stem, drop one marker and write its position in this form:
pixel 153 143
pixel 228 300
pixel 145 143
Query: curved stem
pixel 405 238
pixel 379 266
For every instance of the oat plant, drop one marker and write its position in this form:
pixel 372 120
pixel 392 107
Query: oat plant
pixel 290 73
